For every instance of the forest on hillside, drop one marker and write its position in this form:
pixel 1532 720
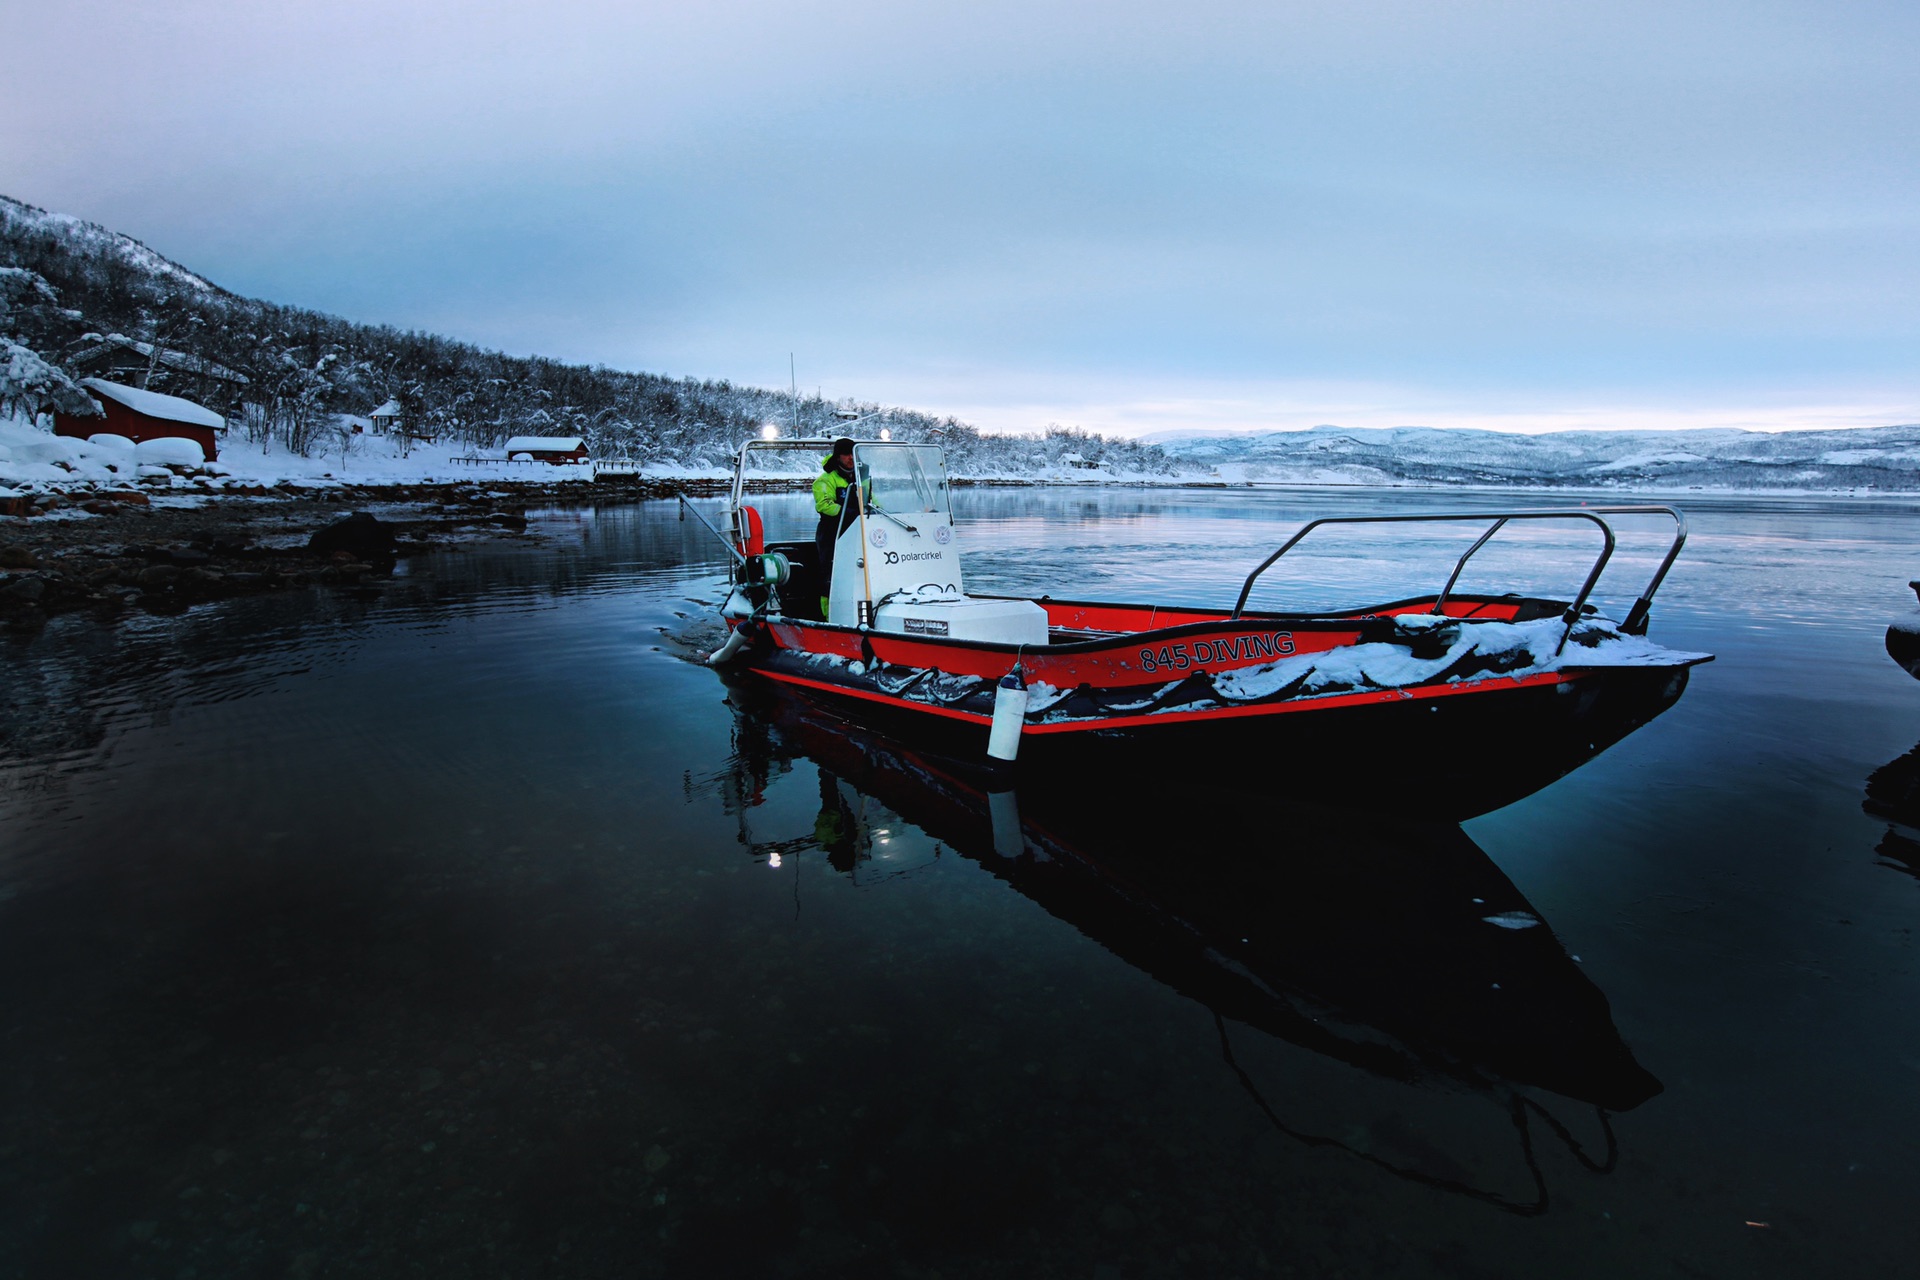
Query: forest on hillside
pixel 67 285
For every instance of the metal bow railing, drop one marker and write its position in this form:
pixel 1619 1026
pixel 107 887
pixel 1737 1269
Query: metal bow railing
pixel 1635 622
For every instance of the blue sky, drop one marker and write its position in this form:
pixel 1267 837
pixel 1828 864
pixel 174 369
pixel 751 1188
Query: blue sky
pixel 1131 217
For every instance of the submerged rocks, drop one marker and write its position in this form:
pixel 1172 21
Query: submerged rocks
pixel 28 590
pixel 203 557
pixel 153 554
pixel 21 603
pixel 361 535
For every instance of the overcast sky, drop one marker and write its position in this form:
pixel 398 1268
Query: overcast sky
pixel 1124 216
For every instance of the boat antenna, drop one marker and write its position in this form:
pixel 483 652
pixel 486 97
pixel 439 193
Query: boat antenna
pixel 794 383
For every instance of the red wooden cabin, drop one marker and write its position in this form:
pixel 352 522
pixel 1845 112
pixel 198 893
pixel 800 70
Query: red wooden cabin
pixel 143 415
pixel 559 450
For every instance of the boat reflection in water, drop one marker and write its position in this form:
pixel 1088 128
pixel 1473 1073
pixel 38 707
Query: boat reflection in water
pixel 1893 794
pixel 1397 947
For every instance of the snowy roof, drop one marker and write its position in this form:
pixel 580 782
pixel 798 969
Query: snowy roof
pixel 391 409
pixel 180 360
pixel 155 405
pixel 544 444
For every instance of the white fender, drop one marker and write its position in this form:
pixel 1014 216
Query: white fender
pixel 725 652
pixel 1009 716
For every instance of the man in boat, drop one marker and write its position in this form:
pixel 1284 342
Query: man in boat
pixel 837 500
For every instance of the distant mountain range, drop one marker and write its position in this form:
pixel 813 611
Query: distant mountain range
pixel 1857 458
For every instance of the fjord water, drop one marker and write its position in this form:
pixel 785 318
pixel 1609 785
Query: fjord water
pixel 466 927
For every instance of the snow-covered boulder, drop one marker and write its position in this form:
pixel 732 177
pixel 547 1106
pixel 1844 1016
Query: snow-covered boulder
pixel 170 451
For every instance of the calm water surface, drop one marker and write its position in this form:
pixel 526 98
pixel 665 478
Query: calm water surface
pixel 470 929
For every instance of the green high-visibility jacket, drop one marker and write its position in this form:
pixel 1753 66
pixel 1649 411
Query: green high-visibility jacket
pixel 829 490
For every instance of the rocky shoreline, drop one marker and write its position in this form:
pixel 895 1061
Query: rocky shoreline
pixel 110 552
pixel 172 542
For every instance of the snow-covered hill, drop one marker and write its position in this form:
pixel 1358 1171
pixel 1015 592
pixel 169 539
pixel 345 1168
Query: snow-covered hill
pixel 79 238
pixel 1858 458
pixel 70 288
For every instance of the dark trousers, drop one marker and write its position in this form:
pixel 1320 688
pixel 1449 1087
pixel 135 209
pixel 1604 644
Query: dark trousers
pixel 824 536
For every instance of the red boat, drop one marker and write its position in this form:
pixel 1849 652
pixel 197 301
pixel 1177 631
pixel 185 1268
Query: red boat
pixel 1451 702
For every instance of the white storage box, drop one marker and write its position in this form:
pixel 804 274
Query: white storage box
pixel 961 618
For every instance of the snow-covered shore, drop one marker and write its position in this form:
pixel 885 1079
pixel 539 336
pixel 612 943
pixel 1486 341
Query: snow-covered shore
pixel 34 462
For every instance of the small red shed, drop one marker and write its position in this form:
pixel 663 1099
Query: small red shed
pixel 559 450
pixel 143 415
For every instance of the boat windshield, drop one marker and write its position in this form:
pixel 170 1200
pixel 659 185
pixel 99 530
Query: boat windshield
pixel 904 477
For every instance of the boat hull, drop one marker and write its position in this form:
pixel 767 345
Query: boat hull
pixel 1903 639
pixel 1903 644
pixel 1450 748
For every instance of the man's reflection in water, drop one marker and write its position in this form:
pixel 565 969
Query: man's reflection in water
pixel 838 829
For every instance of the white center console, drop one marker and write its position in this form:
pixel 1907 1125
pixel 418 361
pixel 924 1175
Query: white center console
pixel 960 618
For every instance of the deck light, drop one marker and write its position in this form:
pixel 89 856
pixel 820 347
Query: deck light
pixel 769 432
